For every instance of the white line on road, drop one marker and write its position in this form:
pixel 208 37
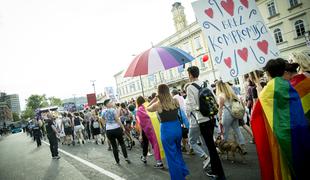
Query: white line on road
pixel 89 164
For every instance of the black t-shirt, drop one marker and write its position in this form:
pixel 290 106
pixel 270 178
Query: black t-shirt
pixel 254 93
pixel 49 129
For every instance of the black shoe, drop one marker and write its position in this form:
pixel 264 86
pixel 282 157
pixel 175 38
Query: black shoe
pixel 127 160
pixel 133 143
pixel 102 142
pixel 109 149
pixel 143 159
pixel 209 172
pixel 83 142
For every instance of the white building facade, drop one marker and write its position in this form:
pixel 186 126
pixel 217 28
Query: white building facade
pixel 288 22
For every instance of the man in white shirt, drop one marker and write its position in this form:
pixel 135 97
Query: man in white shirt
pixel 206 124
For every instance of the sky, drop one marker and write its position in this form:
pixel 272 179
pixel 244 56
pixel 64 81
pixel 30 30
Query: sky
pixel 56 47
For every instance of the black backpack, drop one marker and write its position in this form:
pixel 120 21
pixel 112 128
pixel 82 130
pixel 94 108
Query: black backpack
pixel 208 106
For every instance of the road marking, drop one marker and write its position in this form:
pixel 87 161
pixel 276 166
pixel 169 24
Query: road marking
pixel 89 164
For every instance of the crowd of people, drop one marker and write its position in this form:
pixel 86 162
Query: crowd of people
pixel 183 121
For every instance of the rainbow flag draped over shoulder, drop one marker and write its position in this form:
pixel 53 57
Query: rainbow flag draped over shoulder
pixel 281 132
pixel 302 85
pixel 156 127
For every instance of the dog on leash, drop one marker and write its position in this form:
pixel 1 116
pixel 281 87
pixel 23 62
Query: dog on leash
pixel 229 147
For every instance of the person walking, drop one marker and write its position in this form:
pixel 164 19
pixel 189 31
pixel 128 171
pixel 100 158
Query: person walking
pixel 280 128
pixel 95 123
pixel 170 130
pixel 66 122
pixel 115 130
pixel 147 134
pixel 37 132
pixel 87 124
pixel 78 127
pixel 301 80
pixel 226 96
pixel 206 124
pixel 52 134
pixel 176 95
pixel 126 118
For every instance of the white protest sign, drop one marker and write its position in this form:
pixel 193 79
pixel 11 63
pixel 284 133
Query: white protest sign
pixel 238 39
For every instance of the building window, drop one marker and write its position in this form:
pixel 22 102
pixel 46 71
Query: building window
pixel 132 87
pixel 278 35
pixel 299 28
pixel 138 85
pixel 171 74
pixel 271 8
pixel 293 3
pixel 197 43
pixel 187 48
pixel 126 89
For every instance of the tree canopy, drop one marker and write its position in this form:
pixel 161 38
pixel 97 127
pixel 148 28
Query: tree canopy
pixel 36 101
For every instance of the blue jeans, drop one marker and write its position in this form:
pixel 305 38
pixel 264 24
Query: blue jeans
pixel 194 133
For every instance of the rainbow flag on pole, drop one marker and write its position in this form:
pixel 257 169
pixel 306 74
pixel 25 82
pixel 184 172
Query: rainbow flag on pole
pixel 281 132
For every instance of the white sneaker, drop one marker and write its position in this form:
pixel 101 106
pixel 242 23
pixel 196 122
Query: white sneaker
pixel 56 157
pixel 206 162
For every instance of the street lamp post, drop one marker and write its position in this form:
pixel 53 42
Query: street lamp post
pixel 93 84
pixel 74 100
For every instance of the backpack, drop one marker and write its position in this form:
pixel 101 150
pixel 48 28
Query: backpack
pixel 208 106
pixel 237 109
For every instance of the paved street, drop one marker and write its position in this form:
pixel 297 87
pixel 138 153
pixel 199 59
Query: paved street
pixel 21 159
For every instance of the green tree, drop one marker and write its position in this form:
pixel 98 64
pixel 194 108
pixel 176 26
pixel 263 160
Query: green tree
pixel 28 113
pixel 36 101
pixel 53 101
pixel 15 116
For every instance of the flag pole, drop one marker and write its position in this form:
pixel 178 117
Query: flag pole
pixel 141 86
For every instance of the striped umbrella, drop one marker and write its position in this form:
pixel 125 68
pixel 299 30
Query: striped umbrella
pixel 157 59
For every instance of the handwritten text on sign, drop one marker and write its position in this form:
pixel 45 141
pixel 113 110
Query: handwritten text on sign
pixel 237 37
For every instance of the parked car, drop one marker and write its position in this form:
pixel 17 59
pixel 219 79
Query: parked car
pixel 16 128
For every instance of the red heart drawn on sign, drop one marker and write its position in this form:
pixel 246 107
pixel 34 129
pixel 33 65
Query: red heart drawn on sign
pixel 228 6
pixel 209 12
pixel 245 3
pixel 228 62
pixel 263 46
pixel 243 54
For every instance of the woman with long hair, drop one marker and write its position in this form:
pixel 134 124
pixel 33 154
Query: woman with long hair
pixel 170 130
pixel 147 134
pixel 226 96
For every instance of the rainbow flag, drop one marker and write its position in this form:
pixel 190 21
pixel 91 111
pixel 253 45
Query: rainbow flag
pixel 281 132
pixel 156 126
pixel 302 85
